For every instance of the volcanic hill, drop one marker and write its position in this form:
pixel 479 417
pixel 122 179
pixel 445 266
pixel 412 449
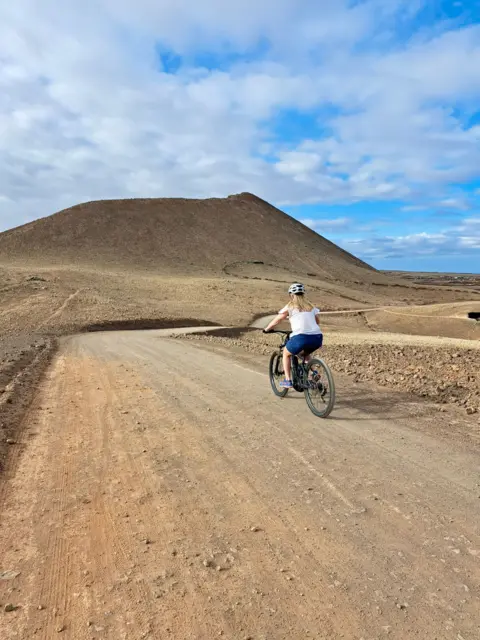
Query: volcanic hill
pixel 182 236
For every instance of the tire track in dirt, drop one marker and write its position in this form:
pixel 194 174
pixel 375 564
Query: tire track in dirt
pixel 108 532
pixel 238 489
pixel 60 309
pixel 143 478
pixel 54 590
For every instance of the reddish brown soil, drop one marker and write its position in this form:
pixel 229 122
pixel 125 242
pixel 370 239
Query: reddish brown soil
pixel 160 490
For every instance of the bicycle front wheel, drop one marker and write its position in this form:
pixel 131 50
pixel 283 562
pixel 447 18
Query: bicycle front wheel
pixel 320 388
pixel 277 374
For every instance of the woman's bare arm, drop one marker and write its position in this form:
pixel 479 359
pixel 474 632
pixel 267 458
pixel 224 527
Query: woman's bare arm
pixel 279 318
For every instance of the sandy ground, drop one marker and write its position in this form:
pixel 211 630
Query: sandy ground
pixel 65 301
pixel 166 493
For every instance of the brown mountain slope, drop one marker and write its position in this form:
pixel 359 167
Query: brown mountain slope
pixel 180 236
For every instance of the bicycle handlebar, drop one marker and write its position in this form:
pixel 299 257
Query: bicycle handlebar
pixel 285 333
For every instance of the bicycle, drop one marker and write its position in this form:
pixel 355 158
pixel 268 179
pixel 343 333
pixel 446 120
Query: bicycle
pixel 314 379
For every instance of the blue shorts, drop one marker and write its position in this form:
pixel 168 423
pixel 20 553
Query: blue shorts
pixel 306 343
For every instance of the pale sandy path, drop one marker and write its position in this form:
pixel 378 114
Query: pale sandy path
pixel 343 336
pixel 161 491
pixel 401 339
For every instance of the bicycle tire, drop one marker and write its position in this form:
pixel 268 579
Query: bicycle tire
pixel 325 412
pixel 277 390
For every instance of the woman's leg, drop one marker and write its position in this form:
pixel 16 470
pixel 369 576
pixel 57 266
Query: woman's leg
pixel 308 353
pixel 306 356
pixel 287 364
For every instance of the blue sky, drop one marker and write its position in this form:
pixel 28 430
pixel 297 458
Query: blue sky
pixel 359 118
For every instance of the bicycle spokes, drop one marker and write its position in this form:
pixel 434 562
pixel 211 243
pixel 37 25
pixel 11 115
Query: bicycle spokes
pixel 314 379
pixel 320 389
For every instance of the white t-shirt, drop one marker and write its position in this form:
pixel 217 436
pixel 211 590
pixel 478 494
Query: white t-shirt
pixel 303 322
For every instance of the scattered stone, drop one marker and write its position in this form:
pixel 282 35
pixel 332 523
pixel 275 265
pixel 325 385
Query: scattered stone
pixel 8 608
pixel 11 441
pixel 61 628
pixel 255 529
pixel 219 561
pixel 9 575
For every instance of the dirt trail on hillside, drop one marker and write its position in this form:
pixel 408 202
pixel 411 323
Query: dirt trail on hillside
pixel 161 491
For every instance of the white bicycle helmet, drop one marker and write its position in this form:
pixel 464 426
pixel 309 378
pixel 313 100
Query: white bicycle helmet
pixel 297 289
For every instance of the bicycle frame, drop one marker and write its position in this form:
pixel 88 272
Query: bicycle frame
pixel 299 373
pixel 305 379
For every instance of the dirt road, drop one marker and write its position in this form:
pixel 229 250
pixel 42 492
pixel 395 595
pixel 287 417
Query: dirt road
pixel 161 491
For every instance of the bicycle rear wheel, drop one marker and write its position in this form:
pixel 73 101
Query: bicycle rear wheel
pixel 320 388
pixel 277 374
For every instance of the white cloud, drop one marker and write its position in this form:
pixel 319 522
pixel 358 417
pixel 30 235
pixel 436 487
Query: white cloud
pixel 450 206
pixel 86 110
pixel 457 204
pixel 461 240
pixel 187 26
pixel 325 225
pixel 399 130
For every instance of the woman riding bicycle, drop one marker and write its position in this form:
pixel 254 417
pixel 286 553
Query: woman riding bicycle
pixel 306 336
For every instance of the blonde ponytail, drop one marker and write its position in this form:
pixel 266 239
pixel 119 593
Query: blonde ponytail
pixel 300 303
